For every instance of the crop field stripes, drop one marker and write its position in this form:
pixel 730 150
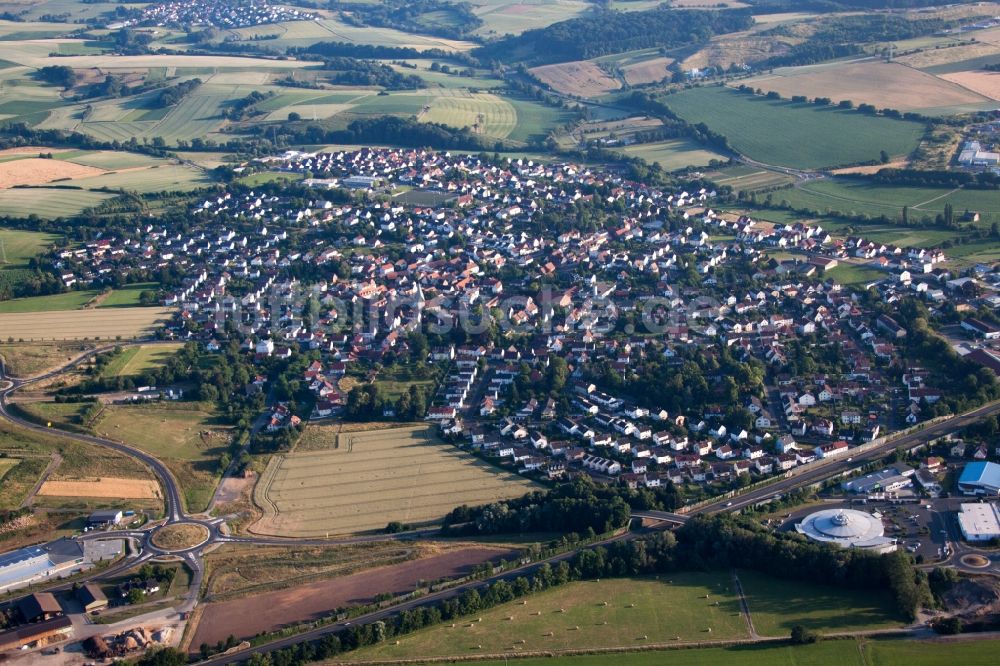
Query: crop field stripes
pixel 365 480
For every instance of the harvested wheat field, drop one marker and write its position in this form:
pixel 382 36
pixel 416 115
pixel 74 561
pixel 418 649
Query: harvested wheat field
pixel 647 71
pixel 37 171
pixel 82 324
pixel 106 487
pixel 581 78
pixel 938 57
pixel 983 82
pixel 883 84
pixel 368 479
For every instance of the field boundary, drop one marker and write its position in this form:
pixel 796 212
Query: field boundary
pixel 259 494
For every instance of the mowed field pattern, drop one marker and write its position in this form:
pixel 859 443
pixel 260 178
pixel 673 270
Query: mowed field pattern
pixel 372 478
pixel 79 324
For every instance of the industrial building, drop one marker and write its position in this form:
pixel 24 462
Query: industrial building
pixel 979 521
pixel 24 566
pixel 42 633
pixel 980 478
pixel 847 528
pixel 889 480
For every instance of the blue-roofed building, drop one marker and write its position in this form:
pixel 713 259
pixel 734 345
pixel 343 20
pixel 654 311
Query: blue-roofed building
pixel 980 478
pixel 24 566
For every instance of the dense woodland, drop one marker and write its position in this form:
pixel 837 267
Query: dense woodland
pixel 615 32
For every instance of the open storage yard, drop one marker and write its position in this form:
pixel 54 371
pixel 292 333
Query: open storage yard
pixel 367 479
pixel 35 325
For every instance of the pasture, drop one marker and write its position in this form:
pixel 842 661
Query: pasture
pixel 794 135
pixel 49 203
pixel 188 438
pixel 127 296
pixel 884 84
pixel 777 605
pixel 70 300
pixel 580 78
pixel 673 154
pixel 748 178
pixel 364 480
pixel 612 612
pixel 849 196
pixel 512 17
pixel 28 319
pixel 931 653
pixel 827 653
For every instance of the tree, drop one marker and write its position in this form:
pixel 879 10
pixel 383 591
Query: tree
pixel 803 636
pixel 293 116
pixel 135 596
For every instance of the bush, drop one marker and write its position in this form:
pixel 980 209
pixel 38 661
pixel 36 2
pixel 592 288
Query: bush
pixel 803 636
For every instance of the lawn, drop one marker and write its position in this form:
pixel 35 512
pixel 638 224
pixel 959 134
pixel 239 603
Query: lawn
pixel 575 616
pixel 70 300
pixel 188 438
pixel 827 653
pixel 794 135
pixel 778 605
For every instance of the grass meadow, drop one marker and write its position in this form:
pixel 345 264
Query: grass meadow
pixel 800 136
pixel 186 437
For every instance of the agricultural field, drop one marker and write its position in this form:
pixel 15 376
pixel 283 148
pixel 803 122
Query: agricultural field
pixel 810 137
pixel 653 70
pixel 49 203
pixel 305 33
pixel 36 171
pixel 309 599
pixel 856 196
pixel 70 300
pixel 883 84
pixel 33 319
pixel 984 83
pixel 103 488
pixel 535 120
pixel 827 653
pixel 162 178
pixel 615 612
pixel 931 653
pixel 483 112
pixel 128 296
pixel 187 437
pixel 136 360
pixel 673 154
pixel 364 480
pixel 512 17
pixel 17 249
pixel 580 78
pixel 777 605
pixel 748 178
pixel 28 360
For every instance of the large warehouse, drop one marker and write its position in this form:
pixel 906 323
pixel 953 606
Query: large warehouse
pixel 980 478
pixel 979 522
pixel 847 528
pixel 24 566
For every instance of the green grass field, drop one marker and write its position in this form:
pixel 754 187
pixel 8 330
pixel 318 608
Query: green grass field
pixel 748 178
pixel 674 154
pixel 48 203
pixel 776 606
pixel 71 300
pixel 495 116
pixel 135 360
pixel 929 653
pixel 794 135
pixel 128 296
pixel 660 610
pixel 187 438
pixel 17 248
pixel 535 120
pixel 851 274
pixel 849 196
pixel 827 653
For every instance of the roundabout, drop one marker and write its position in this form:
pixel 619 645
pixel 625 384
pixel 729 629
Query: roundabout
pixel 180 537
pixel 975 561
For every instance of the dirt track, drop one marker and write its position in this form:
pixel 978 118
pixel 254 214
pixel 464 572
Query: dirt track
pixel 272 610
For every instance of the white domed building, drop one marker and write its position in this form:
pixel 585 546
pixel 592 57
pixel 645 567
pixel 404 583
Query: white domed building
pixel 847 528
